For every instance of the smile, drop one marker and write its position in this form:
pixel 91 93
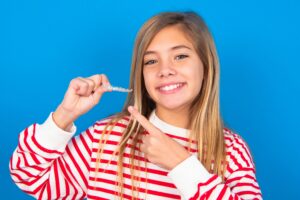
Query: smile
pixel 170 87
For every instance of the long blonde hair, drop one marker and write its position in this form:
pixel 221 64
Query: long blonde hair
pixel 206 123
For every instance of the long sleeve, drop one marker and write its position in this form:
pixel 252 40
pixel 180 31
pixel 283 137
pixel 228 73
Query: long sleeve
pixel 195 182
pixel 50 163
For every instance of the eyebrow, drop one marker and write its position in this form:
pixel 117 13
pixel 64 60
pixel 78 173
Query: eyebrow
pixel 173 48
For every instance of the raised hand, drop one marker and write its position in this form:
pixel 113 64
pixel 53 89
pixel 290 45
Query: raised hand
pixel 82 95
pixel 159 148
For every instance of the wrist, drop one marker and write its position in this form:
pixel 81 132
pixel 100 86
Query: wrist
pixel 63 119
pixel 180 158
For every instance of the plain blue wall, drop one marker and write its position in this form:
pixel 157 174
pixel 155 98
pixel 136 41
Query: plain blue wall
pixel 44 44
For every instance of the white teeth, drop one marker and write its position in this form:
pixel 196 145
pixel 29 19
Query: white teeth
pixel 170 87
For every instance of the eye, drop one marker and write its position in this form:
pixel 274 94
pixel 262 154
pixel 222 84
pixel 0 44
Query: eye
pixel 150 62
pixel 180 57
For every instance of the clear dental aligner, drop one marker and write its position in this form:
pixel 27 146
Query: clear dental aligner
pixel 117 89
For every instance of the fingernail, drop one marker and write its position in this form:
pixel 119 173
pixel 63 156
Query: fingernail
pixel 130 108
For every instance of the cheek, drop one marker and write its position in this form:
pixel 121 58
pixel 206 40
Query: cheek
pixel 147 81
pixel 197 77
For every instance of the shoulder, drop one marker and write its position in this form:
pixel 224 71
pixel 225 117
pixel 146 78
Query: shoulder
pixel 238 154
pixel 232 138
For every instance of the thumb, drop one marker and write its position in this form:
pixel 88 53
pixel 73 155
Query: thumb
pixel 98 94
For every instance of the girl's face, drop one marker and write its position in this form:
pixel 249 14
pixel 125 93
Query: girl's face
pixel 173 71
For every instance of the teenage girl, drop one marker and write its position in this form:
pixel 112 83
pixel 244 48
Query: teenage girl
pixel 168 142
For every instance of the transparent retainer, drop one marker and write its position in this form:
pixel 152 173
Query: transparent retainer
pixel 117 89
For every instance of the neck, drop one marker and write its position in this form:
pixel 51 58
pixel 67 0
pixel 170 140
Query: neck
pixel 178 117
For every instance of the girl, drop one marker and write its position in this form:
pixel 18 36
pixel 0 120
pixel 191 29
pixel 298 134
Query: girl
pixel 167 143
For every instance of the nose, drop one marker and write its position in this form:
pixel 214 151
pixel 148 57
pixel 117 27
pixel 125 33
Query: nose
pixel 166 69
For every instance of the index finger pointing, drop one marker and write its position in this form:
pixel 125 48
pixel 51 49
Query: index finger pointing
pixel 142 120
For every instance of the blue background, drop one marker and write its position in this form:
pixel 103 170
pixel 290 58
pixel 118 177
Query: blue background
pixel 44 44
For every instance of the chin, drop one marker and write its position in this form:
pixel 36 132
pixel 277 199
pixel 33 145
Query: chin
pixel 172 106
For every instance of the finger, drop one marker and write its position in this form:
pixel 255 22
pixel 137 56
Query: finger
pixel 87 85
pixel 97 95
pixel 106 83
pixel 99 80
pixel 74 84
pixel 80 86
pixel 145 139
pixel 143 121
pixel 103 80
pixel 91 86
pixel 143 148
pixel 96 79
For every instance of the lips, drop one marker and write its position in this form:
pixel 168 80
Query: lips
pixel 170 87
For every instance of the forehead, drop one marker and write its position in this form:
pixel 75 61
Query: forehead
pixel 169 37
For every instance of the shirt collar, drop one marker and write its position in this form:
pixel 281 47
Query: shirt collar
pixel 168 128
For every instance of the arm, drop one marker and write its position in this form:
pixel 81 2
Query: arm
pixel 189 175
pixel 195 182
pixel 48 164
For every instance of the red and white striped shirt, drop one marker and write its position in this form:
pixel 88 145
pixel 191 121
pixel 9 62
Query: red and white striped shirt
pixel 50 163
